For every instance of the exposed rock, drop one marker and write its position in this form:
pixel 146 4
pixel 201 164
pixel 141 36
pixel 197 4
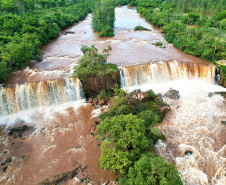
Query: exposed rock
pixel 132 101
pixel 134 94
pixel 223 122
pixel 93 129
pixel 143 96
pixel 95 102
pixel 160 96
pixel 90 100
pixel 159 101
pixel 173 94
pixel 8 160
pixel 188 153
pixel 60 178
pixel 222 80
pixel 18 131
pixel 92 85
pixel 223 94
pixel 63 177
pixel 69 32
pixel 86 101
pixel 102 102
pixel 165 108
pixel 112 183
pixel 97 122
pixel 4 168
pixel 110 104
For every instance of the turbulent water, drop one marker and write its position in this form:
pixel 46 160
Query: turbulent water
pixel 39 94
pixel 165 71
pixel 193 126
pixel 44 96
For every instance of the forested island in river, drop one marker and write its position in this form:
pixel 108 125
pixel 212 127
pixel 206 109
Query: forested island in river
pixel 113 92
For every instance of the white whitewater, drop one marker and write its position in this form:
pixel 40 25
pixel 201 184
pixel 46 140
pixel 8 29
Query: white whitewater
pixel 165 71
pixel 194 123
pixel 40 94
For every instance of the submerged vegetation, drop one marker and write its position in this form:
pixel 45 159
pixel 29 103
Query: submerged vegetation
pixel 129 135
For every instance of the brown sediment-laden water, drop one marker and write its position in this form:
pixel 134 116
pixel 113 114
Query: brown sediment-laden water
pixel 46 97
pixel 196 135
pixel 129 48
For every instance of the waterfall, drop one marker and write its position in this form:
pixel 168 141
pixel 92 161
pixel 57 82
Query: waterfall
pixel 164 71
pixel 39 94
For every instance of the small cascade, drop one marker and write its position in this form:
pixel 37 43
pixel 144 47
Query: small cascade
pixel 32 95
pixel 163 72
pixel 217 75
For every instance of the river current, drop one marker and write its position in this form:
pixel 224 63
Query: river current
pixel 41 96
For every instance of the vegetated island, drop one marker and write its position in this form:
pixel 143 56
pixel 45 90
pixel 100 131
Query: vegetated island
pixel 141 28
pixel 127 126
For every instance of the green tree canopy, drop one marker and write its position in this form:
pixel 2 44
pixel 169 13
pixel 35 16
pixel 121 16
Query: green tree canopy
pixel 93 64
pixel 127 131
pixel 149 170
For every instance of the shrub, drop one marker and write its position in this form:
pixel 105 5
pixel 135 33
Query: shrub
pixel 140 28
pixel 94 64
pixel 149 117
pixel 151 93
pixel 148 171
pixel 158 43
pixel 104 95
pixel 127 131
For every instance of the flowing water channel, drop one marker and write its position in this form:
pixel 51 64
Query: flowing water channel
pixel 46 97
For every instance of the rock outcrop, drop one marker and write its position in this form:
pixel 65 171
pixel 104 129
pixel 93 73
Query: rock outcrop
pixel 92 85
pixel 222 80
pixel 173 94
pixel 223 94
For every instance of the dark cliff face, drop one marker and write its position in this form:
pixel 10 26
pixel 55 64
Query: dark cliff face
pixel 92 85
pixel 222 80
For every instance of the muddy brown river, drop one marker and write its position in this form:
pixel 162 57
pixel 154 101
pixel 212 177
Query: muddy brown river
pixel 45 97
pixel 129 48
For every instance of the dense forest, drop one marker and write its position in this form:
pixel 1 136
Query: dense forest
pixel 128 132
pixel 26 25
pixel 104 17
pixel 197 27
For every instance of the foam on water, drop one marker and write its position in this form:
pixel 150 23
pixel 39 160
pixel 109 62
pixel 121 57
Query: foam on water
pixel 193 125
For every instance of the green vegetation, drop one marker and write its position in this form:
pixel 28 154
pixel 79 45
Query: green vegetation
pixel 27 25
pixel 140 28
pixel 94 64
pixel 103 95
pixel 150 169
pixel 158 44
pixel 122 2
pixel 195 26
pixel 104 17
pixel 223 71
pixel 128 134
